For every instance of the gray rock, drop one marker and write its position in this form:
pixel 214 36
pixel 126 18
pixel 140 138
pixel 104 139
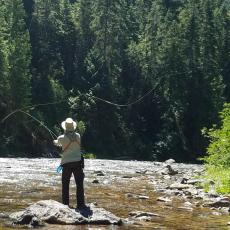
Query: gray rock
pixel 141 197
pixel 170 161
pixel 99 173
pixel 3 215
pixel 195 181
pixel 180 186
pixel 220 202
pixel 184 180
pixel 164 199
pixel 143 216
pixel 168 170
pixel 213 193
pixel 53 212
pixel 35 222
pixel 186 206
pixel 141 172
pixel 127 176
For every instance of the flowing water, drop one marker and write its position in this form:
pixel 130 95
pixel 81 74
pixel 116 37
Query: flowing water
pixel 24 181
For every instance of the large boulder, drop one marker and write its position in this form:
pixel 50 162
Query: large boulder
pixel 53 212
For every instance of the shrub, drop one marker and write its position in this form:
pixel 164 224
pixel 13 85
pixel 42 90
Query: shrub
pixel 217 161
pixel 219 147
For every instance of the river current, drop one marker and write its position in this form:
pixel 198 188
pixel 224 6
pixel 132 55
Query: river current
pixel 108 183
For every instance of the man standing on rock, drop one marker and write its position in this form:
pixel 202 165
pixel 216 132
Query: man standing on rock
pixel 72 162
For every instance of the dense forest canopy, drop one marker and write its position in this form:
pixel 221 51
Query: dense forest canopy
pixel 67 51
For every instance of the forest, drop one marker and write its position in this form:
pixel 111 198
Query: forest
pixel 166 61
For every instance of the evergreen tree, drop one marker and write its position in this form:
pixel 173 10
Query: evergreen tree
pixel 4 68
pixel 19 55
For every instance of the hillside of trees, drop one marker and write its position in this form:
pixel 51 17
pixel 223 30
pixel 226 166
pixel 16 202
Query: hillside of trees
pixel 68 52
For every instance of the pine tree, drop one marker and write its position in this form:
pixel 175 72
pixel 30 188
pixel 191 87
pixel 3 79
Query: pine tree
pixel 19 57
pixel 104 64
pixel 4 68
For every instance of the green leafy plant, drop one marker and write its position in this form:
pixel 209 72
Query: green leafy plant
pixel 217 161
pixel 219 147
pixel 89 156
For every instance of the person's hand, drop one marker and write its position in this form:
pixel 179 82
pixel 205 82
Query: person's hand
pixel 55 142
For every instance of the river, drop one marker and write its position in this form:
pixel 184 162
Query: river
pixel 118 186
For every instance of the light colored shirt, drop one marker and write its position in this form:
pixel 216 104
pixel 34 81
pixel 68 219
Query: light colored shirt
pixel 73 152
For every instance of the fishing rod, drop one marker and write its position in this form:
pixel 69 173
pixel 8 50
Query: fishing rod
pixel 52 134
pixel 30 107
pixel 50 131
pixel 97 98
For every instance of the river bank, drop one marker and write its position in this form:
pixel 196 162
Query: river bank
pixel 169 190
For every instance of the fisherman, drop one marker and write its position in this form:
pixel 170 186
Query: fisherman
pixel 72 162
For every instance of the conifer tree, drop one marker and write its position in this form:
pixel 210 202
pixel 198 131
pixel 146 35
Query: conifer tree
pixel 4 68
pixel 19 57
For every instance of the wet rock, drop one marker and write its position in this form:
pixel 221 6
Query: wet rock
pixel 99 173
pixel 127 176
pixel 161 190
pixel 216 213
pixel 95 181
pixel 143 216
pixel 180 186
pixel 184 180
pixel 141 172
pixel 224 210
pixel 129 195
pixel 187 193
pixel 213 193
pixel 167 177
pixel 171 171
pixel 168 170
pixel 195 181
pixel 219 202
pixel 164 199
pixel 3 215
pixel 192 192
pixel 35 222
pixel 141 197
pixel 186 206
pixel 53 212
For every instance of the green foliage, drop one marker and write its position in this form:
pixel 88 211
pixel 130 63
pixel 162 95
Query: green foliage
pixel 220 177
pixel 89 156
pixel 81 127
pixel 219 147
pixel 69 51
pixel 218 159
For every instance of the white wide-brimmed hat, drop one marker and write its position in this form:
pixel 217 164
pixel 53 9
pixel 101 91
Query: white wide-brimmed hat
pixel 69 124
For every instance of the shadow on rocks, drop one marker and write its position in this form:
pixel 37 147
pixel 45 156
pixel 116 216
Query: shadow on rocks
pixel 85 211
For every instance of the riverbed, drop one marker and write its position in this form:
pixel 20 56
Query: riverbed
pixel 120 187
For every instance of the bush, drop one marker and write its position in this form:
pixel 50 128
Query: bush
pixel 89 155
pixel 219 147
pixel 217 161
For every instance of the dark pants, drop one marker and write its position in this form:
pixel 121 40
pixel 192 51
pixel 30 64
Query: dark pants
pixel 76 169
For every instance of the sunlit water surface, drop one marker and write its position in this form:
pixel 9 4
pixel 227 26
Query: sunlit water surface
pixel 24 181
